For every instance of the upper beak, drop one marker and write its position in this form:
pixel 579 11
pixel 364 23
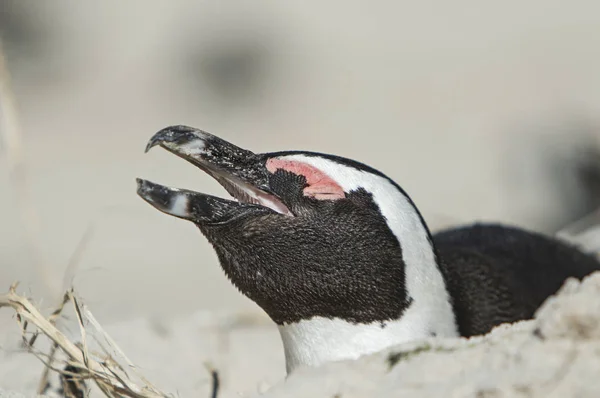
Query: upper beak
pixel 241 172
pixel 212 154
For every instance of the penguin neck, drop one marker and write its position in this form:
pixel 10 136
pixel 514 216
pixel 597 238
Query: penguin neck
pixel 318 340
pixel 314 341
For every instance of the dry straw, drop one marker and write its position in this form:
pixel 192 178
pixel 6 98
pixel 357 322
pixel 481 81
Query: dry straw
pixel 109 368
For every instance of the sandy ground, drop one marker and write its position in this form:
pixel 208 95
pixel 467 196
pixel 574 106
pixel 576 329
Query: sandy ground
pixel 554 355
pixel 444 99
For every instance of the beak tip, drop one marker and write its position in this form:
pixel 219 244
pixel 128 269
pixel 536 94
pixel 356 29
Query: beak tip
pixel 174 136
pixel 147 190
pixel 141 186
pixel 154 141
pixel 148 147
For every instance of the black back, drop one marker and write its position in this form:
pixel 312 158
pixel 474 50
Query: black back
pixel 498 274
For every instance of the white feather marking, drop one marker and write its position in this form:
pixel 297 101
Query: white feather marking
pixel 317 340
pixel 179 205
pixel 192 147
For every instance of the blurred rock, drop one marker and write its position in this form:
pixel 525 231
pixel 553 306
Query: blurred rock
pixel 552 171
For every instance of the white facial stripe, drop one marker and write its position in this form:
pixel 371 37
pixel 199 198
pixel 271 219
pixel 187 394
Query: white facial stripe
pixel 179 205
pixel 431 310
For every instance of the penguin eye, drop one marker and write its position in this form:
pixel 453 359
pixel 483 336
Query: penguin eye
pixel 319 185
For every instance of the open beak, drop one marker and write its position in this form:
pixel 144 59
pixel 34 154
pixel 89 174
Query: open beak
pixel 241 172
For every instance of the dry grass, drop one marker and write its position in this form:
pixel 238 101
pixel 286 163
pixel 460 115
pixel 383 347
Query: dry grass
pixel 109 369
pixel 96 358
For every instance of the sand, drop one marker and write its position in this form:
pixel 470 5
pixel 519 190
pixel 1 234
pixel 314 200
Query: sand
pixel 555 355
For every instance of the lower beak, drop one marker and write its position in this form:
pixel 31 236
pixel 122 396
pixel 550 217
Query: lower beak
pixel 193 206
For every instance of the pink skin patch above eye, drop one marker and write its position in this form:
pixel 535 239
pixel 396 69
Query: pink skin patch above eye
pixel 320 186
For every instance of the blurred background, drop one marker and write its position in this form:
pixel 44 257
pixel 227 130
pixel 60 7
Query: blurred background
pixel 480 111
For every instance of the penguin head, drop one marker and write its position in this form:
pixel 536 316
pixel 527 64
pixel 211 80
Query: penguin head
pixel 306 235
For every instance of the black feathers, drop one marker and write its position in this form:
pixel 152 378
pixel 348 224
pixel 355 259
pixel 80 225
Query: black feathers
pixel 339 260
pixel 497 274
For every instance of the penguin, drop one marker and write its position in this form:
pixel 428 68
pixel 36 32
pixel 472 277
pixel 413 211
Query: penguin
pixel 340 258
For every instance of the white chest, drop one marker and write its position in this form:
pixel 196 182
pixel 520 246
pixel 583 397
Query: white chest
pixel 318 340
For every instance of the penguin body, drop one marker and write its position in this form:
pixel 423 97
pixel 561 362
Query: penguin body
pixel 340 258
pixel 497 274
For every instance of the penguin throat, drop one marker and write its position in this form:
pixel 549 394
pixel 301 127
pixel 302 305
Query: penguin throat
pixel 319 340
